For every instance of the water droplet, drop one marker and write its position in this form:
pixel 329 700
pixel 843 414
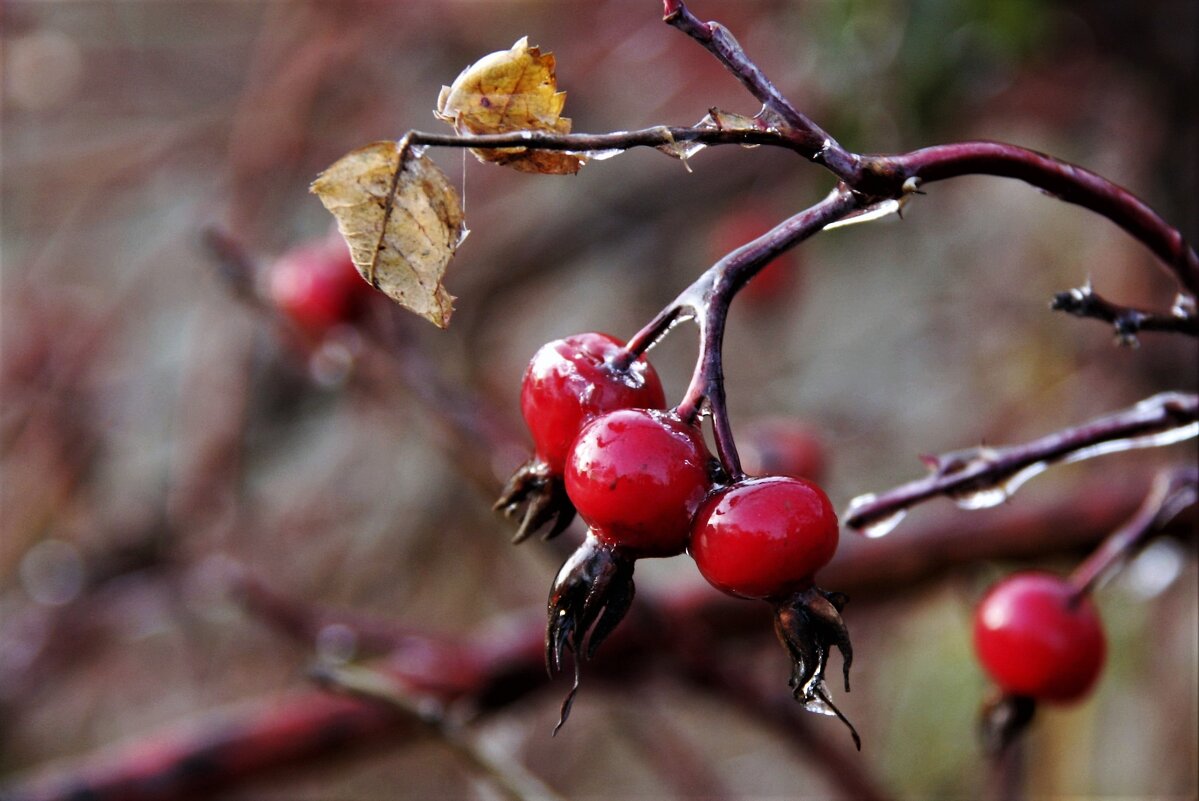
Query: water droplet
pixel 682 150
pixel 1184 306
pixel 875 527
pixel 981 499
pixel 876 212
pixel 598 155
pixel 884 526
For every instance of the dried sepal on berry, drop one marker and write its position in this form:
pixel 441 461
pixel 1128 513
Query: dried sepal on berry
pixel 536 496
pixel 590 596
pixel 808 624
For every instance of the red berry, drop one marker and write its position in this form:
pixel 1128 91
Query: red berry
pixel 570 381
pixel 637 476
pixel 1035 638
pixel 317 285
pixel 781 446
pixel 764 537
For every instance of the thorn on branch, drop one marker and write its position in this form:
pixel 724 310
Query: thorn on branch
pixel 1128 322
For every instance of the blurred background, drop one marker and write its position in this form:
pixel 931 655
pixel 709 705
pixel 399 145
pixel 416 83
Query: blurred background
pixel 164 428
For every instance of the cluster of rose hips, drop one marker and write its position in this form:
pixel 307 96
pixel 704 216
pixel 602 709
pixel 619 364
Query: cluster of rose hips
pixel 643 481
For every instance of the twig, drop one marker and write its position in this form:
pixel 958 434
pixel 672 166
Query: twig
pixel 1173 491
pixel 981 477
pixel 506 776
pixel 1067 182
pixel 809 139
pixel 1084 301
pixel 707 301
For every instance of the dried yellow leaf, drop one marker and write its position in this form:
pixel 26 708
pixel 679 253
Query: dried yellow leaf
pixel 511 90
pixel 402 220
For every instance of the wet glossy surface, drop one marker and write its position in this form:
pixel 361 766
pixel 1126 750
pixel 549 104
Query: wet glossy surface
pixel 637 477
pixel 570 381
pixel 765 536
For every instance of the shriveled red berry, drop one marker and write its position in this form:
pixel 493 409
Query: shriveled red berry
pixel 636 477
pixel 1035 638
pixel 317 285
pixel 764 537
pixel 570 381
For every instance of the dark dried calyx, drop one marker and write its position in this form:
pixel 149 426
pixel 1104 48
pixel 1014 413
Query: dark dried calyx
pixel 590 596
pixel 537 498
pixel 808 624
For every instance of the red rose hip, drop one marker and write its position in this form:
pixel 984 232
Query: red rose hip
pixel 570 381
pixel 317 285
pixel 764 537
pixel 636 477
pixel 1035 638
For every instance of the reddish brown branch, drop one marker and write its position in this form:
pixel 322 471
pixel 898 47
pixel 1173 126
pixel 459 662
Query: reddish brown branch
pixel 988 474
pixel 1065 181
pixel 1084 301
pixel 707 301
pixel 1173 492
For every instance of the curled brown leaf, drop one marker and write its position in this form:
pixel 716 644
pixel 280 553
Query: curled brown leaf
pixel 511 90
pixel 402 220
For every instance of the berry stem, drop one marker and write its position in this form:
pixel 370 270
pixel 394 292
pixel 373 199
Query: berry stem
pixel 707 300
pixel 1172 492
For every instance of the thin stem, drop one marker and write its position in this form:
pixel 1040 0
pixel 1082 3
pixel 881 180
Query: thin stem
pixel 709 298
pixel 810 139
pixel 1084 301
pixel 1162 419
pixel 662 136
pixel 508 777
pixel 1172 492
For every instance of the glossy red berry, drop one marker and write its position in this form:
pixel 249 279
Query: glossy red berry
pixel 317 285
pixel 764 537
pixel 570 381
pixel 1035 638
pixel 636 477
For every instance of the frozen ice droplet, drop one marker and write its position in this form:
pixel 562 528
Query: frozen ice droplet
pixel 874 527
pixel 981 498
pixel 884 526
pixel 599 155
